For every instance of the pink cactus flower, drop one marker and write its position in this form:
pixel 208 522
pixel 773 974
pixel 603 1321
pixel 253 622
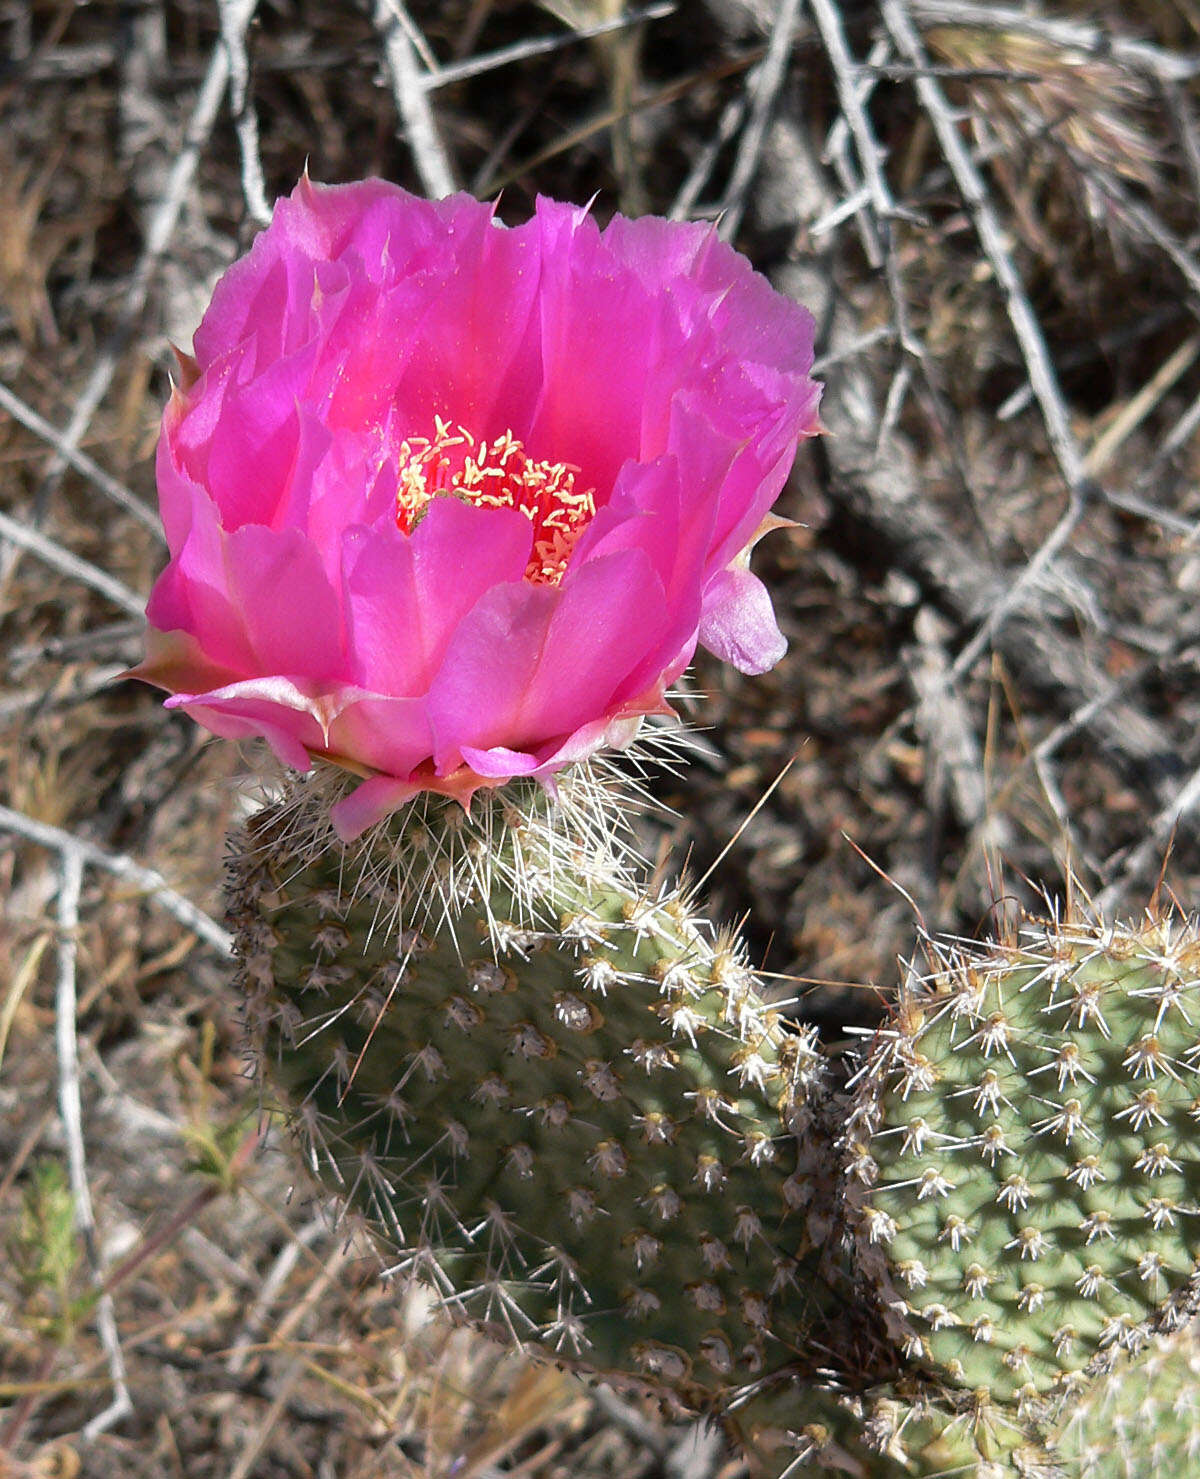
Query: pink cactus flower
pixel 449 503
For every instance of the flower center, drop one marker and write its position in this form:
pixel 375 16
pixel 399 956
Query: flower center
pixel 496 474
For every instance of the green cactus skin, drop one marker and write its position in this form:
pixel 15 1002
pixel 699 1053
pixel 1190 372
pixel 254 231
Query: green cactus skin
pixel 1142 1419
pixel 1024 1194
pixel 552 1093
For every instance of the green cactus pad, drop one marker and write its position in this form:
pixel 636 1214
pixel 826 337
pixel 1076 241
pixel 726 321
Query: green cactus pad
pixel 553 1095
pixel 1028 1205
pixel 1141 1420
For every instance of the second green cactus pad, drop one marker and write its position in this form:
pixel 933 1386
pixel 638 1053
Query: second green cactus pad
pixel 1142 1420
pixel 551 1092
pixel 1022 1158
pixel 900 1430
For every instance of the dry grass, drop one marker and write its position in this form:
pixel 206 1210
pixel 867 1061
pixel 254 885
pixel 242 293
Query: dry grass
pixel 991 606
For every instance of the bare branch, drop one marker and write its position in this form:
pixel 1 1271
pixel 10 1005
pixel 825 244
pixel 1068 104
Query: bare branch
pixel 146 879
pixel 158 237
pixel 1077 35
pixel 1148 854
pixel 410 87
pixel 769 81
pixel 521 51
pixel 1139 406
pixel 71 1113
pixel 859 84
pixel 80 461
pixel 974 192
pixel 1150 228
pixel 62 559
pixel 701 171
pixel 236 16
pixel 45 698
pixel 1010 600
pixel 846 79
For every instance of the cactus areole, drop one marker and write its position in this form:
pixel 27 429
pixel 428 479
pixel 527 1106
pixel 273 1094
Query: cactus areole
pixel 449 503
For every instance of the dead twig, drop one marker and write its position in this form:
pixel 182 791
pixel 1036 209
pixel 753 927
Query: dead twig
pixel 858 84
pixel 1147 856
pixel 161 229
pixel 1139 406
pixel 80 461
pixel 1038 363
pixel 944 724
pixel 236 16
pixel 52 553
pixel 146 879
pixel 1146 224
pixel 267 1291
pixel 1092 40
pixel 410 88
pixel 700 173
pixel 56 697
pixel 521 51
pixel 974 193
pixel 71 1113
pixel 1008 601
pixel 762 100
pixel 852 97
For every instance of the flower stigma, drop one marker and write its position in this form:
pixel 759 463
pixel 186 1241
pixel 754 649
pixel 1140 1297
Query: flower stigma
pixel 496 474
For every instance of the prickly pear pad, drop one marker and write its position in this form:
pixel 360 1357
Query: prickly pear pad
pixel 1142 1420
pixel 1030 1191
pixel 553 1096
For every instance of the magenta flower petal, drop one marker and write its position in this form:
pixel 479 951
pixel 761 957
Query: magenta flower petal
pixel 259 428
pixel 290 719
pixel 739 623
pixel 406 596
pixel 391 735
pixel 585 403
pixel 449 503
pixel 478 349
pixel 307 229
pixel 370 803
pixel 291 614
pixel 606 610
pixel 478 695
pixel 192 598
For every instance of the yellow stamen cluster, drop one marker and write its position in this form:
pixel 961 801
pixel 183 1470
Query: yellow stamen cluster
pixel 497 474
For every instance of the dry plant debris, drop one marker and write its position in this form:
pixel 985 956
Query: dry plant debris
pixel 991 601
